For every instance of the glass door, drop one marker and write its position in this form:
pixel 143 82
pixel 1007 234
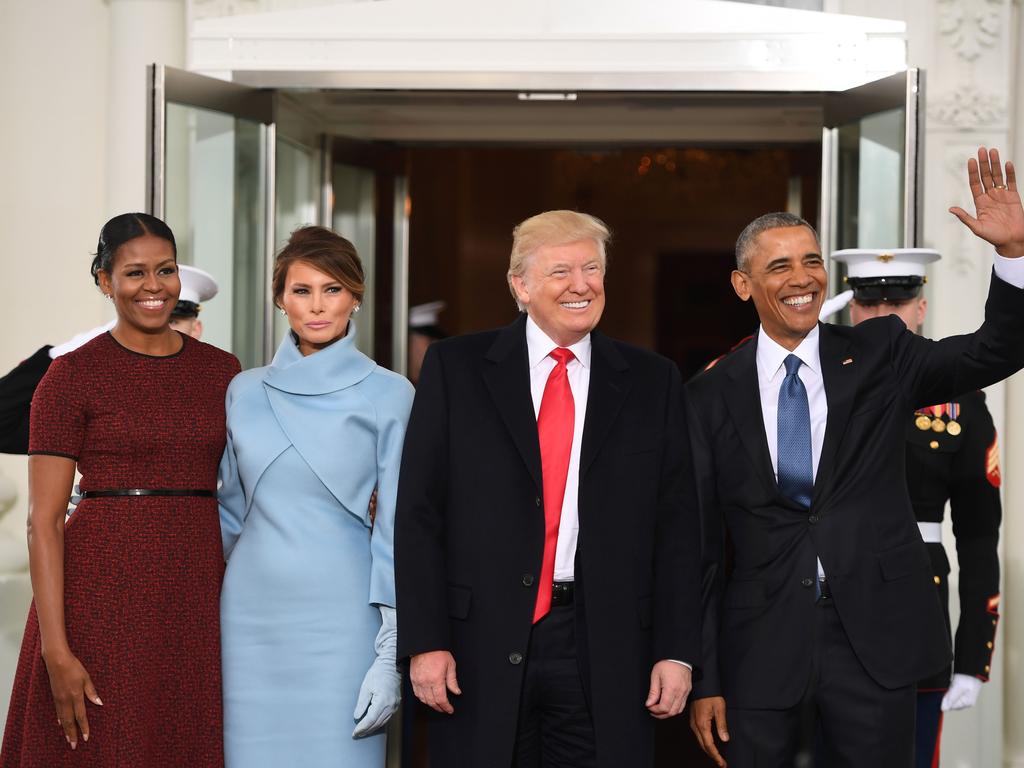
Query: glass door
pixel 211 177
pixel 871 166
pixel 369 204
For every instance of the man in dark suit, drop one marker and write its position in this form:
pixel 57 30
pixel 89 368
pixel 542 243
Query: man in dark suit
pixel 545 542
pixel 799 445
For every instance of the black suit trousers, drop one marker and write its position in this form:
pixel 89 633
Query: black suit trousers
pixel 861 723
pixel 555 728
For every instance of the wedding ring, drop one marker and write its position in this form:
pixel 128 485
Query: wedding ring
pixel 999 186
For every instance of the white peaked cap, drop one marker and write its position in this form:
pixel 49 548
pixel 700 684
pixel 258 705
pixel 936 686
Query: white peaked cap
pixel 197 286
pixel 887 262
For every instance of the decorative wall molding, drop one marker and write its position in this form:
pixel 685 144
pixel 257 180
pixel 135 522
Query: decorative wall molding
pixel 968 108
pixel 971 26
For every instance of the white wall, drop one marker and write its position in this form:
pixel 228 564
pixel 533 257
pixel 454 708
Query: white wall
pixel 72 150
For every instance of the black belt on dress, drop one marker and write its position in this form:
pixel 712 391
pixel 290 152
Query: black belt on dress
pixel 148 492
pixel 562 593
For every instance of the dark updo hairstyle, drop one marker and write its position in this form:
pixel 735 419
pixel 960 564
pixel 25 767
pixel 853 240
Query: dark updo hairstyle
pixel 119 230
pixel 324 250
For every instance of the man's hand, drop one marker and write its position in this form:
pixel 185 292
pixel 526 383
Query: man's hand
pixel 670 685
pixel 702 712
pixel 1000 218
pixel 963 693
pixel 433 675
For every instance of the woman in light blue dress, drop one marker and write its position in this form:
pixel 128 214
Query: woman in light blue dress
pixel 307 607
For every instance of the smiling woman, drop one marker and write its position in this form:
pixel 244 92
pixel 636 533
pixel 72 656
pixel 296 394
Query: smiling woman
pixel 136 267
pixel 125 593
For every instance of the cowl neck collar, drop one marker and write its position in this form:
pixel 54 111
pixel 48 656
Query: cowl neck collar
pixel 331 369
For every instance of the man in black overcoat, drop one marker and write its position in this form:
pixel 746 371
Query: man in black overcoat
pixel 546 543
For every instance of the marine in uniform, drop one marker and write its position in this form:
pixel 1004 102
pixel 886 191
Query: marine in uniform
pixel 952 455
pixel 19 384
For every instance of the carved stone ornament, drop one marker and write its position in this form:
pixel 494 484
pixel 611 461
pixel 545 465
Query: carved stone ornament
pixel 971 26
pixel 968 108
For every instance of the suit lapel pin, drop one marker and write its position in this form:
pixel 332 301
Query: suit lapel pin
pixel 847 361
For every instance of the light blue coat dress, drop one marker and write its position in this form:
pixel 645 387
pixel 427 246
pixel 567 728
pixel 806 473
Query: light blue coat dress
pixel 309 438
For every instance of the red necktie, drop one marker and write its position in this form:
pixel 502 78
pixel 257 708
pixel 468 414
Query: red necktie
pixel 554 428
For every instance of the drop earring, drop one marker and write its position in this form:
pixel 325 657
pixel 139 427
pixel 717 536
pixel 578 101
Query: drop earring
pixel 356 308
pixel 283 313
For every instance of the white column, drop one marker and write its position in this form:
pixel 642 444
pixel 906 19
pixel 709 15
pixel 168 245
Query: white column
pixel 968 49
pixel 142 32
pixel 1013 461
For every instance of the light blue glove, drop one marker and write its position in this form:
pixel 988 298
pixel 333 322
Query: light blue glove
pixel 381 691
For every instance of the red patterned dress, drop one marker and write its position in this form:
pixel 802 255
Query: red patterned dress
pixel 142 575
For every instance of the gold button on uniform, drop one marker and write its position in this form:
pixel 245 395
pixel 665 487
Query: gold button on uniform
pixel 989 645
pixel 933 444
pixel 937 580
pixel 987 668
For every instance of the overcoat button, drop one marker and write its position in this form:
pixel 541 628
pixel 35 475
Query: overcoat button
pixel 527 580
pixel 515 658
pixel 812 519
pixel 807 582
pixel 537 501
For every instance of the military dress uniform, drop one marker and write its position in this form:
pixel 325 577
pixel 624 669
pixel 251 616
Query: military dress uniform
pixel 953 454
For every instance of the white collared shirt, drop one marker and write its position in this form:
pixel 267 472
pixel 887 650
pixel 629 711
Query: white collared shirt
pixel 771 371
pixel 539 348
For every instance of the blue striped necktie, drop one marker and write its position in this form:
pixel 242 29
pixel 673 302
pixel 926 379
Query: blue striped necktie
pixel 796 478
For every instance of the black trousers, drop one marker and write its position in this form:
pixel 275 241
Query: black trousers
pixel 555 729
pixel 861 723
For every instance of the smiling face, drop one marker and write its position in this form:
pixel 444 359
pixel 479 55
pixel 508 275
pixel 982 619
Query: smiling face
pixel 911 311
pixel 562 289
pixel 143 282
pixel 317 305
pixel 785 276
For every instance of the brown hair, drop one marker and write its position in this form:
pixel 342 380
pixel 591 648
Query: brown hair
pixel 324 250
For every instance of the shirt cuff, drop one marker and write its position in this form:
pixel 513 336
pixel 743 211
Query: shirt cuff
pixel 677 661
pixel 1010 270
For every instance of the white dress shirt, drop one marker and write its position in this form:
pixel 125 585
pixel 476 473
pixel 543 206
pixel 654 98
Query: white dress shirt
pixel 539 348
pixel 771 372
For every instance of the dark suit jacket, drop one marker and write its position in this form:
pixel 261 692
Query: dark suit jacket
pixel 757 621
pixel 469 539
pixel 16 390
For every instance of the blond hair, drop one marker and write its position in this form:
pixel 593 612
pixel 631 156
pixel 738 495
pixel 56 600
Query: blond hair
pixel 552 228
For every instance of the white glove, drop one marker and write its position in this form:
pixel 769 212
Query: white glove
pixel 830 306
pixel 963 693
pixel 381 691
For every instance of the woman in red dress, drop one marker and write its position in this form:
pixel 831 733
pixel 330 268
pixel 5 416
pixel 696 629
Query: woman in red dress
pixel 120 664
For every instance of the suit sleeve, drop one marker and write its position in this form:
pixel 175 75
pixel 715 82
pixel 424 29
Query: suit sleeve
pixel 420 572
pixel 677 555
pixel 711 556
pixel 940 371
pixel 16 390
pixel 390 436
pixel 230 492
pixel 976 512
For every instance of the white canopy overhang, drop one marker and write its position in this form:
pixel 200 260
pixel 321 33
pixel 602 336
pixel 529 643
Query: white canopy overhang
pixel 550 45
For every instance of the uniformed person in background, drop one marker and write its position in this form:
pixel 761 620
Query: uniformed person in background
pixel 952 455
pixel 197 287
pixel 424 330
pixel 18 386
